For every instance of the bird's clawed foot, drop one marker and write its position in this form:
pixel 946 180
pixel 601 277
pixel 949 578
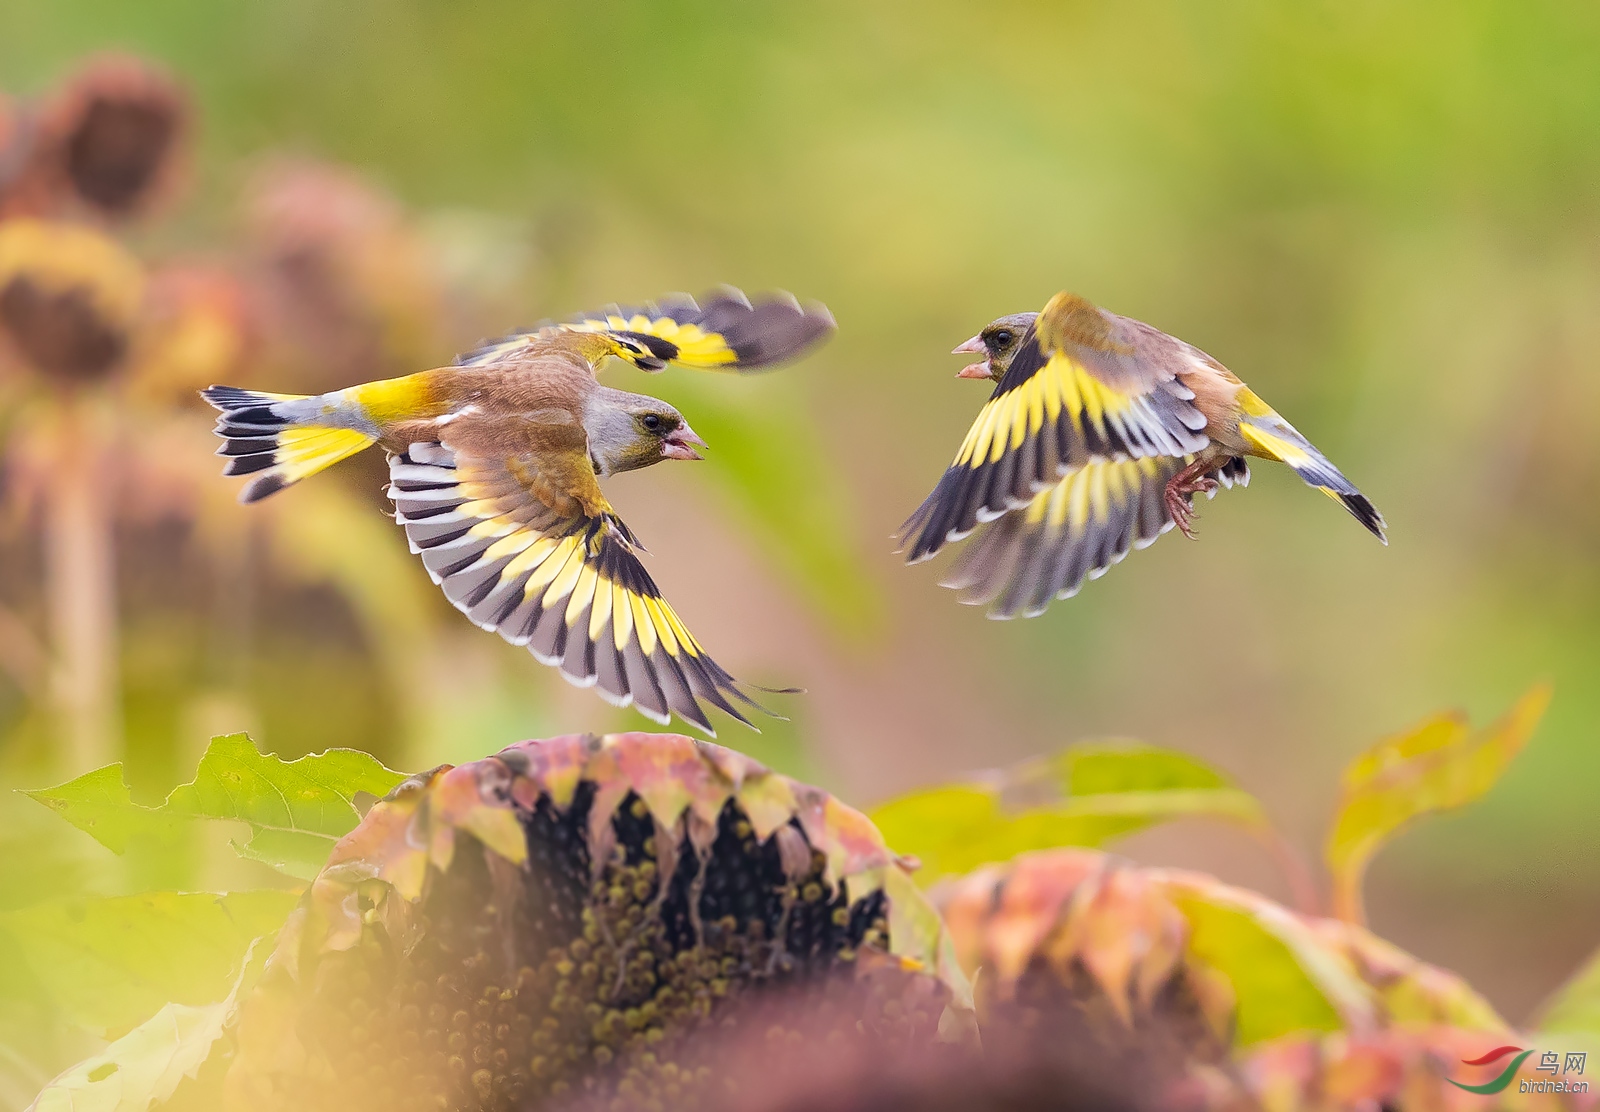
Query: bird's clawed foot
pixel 1180 489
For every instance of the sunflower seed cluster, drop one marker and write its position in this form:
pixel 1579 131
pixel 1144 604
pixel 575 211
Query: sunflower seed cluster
pixel 571 981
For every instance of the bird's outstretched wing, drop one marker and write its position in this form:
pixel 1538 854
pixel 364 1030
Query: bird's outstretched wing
pixel 568 585
pixel 1074 530
pixel 1085 385
pixel 723 331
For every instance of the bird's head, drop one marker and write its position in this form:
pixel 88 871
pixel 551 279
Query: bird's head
pixel 630 431
pixel 997 343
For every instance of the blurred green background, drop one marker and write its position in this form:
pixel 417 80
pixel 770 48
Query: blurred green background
pixel 1385 217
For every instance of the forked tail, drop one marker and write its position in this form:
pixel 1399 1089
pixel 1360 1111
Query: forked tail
pixel 279 438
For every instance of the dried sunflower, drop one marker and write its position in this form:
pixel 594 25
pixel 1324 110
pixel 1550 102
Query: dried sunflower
pixel 111 137
pixel 573 918
pixel 1080 942
pixel 69 299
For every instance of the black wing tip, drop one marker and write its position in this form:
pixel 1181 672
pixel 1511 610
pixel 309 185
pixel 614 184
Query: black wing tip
pixel 1362 509
pixel 257 489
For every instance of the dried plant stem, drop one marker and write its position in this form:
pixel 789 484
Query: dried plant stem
pixel 80 571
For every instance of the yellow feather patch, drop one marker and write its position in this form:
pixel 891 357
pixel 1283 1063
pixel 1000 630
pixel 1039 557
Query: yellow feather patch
pixel 397 399
pixel 1273 447
pixel 696 347
pixel 663 628
pixel 567 580
pixel 600 612
pixel 622 617
pixel 305 451
pixel 582 594
pixel 564 554
pixel 643 623
pixel 1062 384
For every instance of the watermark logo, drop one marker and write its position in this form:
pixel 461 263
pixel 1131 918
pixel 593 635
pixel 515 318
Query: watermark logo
pixel 1549 1062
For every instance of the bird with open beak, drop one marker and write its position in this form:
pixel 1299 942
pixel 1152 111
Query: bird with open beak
pixel 1100 431
pixel 495 465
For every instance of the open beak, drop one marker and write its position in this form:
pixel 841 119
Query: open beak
pixel 681 443
pixel 974 346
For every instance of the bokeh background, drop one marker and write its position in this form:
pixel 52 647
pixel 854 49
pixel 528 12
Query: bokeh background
pixel 1386 217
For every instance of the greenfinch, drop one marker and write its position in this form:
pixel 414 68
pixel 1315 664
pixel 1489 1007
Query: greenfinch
pixel 1100 431
pixel 494 467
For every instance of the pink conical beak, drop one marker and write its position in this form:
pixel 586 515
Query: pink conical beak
pixel 974 346
pixel 681 442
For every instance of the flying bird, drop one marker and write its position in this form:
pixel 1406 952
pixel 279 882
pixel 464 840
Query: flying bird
pixel 1100 431
pixel 495 465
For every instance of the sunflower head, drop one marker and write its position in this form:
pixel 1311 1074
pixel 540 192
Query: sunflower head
pixel 69 298
pixel 1080 942
pixel 112 136
pixel 574 918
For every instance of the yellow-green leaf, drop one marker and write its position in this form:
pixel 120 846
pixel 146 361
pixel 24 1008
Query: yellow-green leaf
pixel 110 962
pixel 1575 1008
pixel 147 1064
pixel 1276 990
pixel 1083 796
pixel 296 809
pixel 1439 765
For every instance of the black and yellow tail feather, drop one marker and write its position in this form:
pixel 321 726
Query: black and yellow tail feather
pixel 269 436
pixel 1271 436
pixel 724 333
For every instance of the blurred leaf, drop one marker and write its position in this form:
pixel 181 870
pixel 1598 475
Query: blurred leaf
pixel 1438 765
pixel 296 809
pixel 110 962
pixel 1284 978
pixel 1274 995
pixel 1410 992
pixel 1575 1007
pixel 147 1064
pixel 1082 796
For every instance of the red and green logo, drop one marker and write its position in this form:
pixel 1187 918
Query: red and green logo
pixel 1490 1087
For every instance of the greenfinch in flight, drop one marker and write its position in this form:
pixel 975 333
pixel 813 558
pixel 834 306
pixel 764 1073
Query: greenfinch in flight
pixel 1100 431
pixel 494 468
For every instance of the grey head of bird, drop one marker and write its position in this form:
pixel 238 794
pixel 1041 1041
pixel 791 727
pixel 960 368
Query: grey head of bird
pixel 997 343
pixel 629 431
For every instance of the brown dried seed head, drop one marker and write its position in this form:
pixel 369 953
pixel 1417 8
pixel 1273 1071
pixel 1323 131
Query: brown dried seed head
pixel 111 138
pixel 69 297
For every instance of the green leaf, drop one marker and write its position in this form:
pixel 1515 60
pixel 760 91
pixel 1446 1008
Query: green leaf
pixel 147 1064
pixel 296 809
pixel 1575 1007
pixel 1083 796
pixel 1284 978
pixel 110 962
pixel 1436 766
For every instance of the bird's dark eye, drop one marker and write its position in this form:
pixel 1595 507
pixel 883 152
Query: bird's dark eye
pixel 652 422
pixel 1001 339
